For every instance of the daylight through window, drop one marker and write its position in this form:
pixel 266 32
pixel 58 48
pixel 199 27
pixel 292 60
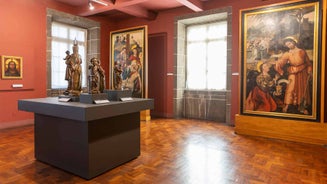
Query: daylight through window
pixel 206 56
pixel 63 37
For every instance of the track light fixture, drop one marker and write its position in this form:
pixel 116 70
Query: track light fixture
pixel 100 2
pixel 91 7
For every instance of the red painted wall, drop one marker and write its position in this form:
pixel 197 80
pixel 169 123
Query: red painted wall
pixel 23 33
pixel 23 25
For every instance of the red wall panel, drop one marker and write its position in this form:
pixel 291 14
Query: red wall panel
pixel 23 25
pixel 23 33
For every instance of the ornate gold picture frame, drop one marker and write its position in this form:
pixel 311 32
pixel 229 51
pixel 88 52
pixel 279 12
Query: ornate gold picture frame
pixel 281 60
pixel 129 61
pixel 12 67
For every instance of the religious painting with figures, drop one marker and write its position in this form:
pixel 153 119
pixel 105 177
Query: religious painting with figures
pixel 280 60
pixel 128 60
pixel 12 67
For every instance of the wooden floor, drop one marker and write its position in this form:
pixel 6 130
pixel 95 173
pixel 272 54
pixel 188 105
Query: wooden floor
pixel 178 152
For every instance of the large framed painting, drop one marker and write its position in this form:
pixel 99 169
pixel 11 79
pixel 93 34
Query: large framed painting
pixel 129 61
pixel 281 60
pixel 12 67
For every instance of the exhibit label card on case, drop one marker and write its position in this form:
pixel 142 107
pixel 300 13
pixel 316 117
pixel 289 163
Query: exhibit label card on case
pixel 64 99
pixel 101 101
pixel 126 99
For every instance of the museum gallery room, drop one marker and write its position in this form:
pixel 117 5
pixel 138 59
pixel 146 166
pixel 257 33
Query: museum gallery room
pixel 163 91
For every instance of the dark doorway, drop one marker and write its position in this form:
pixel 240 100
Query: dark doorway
pixel 157 59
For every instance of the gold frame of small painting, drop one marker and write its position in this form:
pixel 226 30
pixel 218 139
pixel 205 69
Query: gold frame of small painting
pixel 12 67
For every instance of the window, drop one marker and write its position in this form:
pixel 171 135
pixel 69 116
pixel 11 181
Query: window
pixel 206 53
pixel 63 37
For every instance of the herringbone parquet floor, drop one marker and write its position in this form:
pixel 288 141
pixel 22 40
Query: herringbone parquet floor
pixel 178 152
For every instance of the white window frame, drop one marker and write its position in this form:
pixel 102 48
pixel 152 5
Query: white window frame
pixel 58 65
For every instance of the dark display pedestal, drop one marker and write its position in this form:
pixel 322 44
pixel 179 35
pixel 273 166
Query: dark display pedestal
pixel 116 95
pixel 87 149
pixel 86 139
pixel 93 98
pixel 68 98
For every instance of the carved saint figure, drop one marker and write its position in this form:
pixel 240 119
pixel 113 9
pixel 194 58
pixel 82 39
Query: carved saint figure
pixel 96 77
pixel 117 76
pixel 73 72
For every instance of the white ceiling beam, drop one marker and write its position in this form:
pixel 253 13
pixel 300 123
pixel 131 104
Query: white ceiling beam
pixel 195 5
